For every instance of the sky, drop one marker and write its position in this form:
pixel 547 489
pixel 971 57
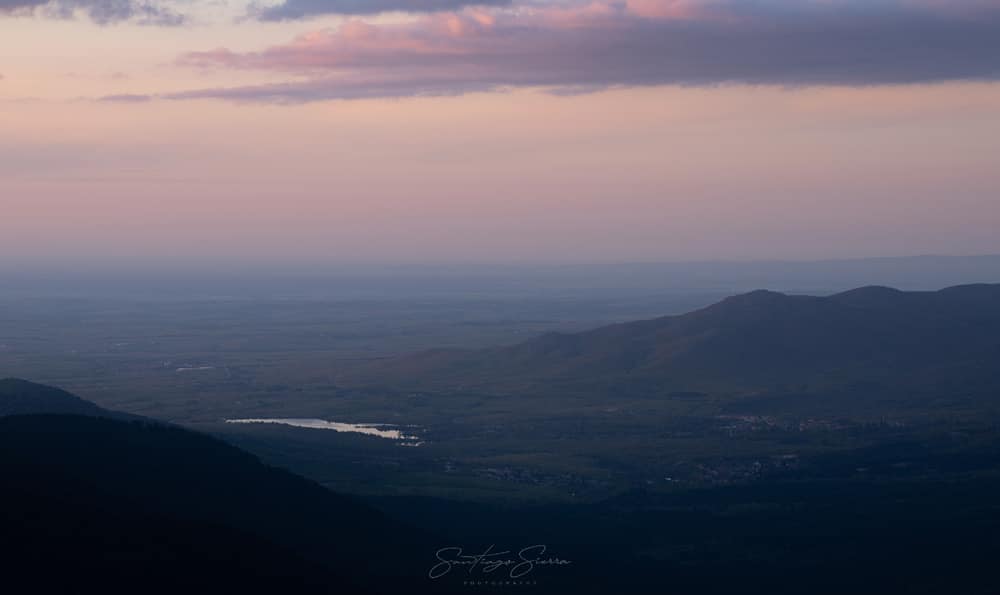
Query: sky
pixel 141 132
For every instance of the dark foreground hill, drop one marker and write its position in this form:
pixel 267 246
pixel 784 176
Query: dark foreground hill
pixel 881 339
pixel 18 397
pixel 92 504
pixel 97 505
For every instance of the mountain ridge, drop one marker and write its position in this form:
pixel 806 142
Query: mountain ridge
pixel 20 397
pixel 747 343
pixel 91 493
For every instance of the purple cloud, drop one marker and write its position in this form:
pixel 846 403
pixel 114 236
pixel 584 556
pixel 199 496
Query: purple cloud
pixel 127 98
pixel 104 12
pixel 580 48
pixel 298 9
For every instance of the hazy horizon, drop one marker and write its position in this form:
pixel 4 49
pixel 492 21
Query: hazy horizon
pixel 493 280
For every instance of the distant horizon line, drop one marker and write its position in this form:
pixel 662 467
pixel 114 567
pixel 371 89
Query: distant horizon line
pixel 318 267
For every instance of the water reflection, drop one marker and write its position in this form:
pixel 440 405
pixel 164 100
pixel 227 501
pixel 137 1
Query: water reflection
pixel 379 430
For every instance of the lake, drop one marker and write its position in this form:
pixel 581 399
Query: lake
pixel 379 430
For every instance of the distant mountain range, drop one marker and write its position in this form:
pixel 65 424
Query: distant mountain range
pixel 872 340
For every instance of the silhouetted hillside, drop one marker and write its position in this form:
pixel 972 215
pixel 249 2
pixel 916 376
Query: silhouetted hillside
pixel 19 397
pixel 946 341
pixel 98 502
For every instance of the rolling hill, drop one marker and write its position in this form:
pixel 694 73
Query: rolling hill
pixel 91 502
pixel 19 397
pixel 877 339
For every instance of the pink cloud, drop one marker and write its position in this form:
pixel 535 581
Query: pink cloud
pixel 633 42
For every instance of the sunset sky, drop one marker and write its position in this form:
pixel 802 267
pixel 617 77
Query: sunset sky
pixel 381 131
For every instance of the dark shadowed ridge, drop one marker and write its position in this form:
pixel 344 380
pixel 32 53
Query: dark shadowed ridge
pixel 20 397
pixel 104 504
pixel 746 343
pixel 871 296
